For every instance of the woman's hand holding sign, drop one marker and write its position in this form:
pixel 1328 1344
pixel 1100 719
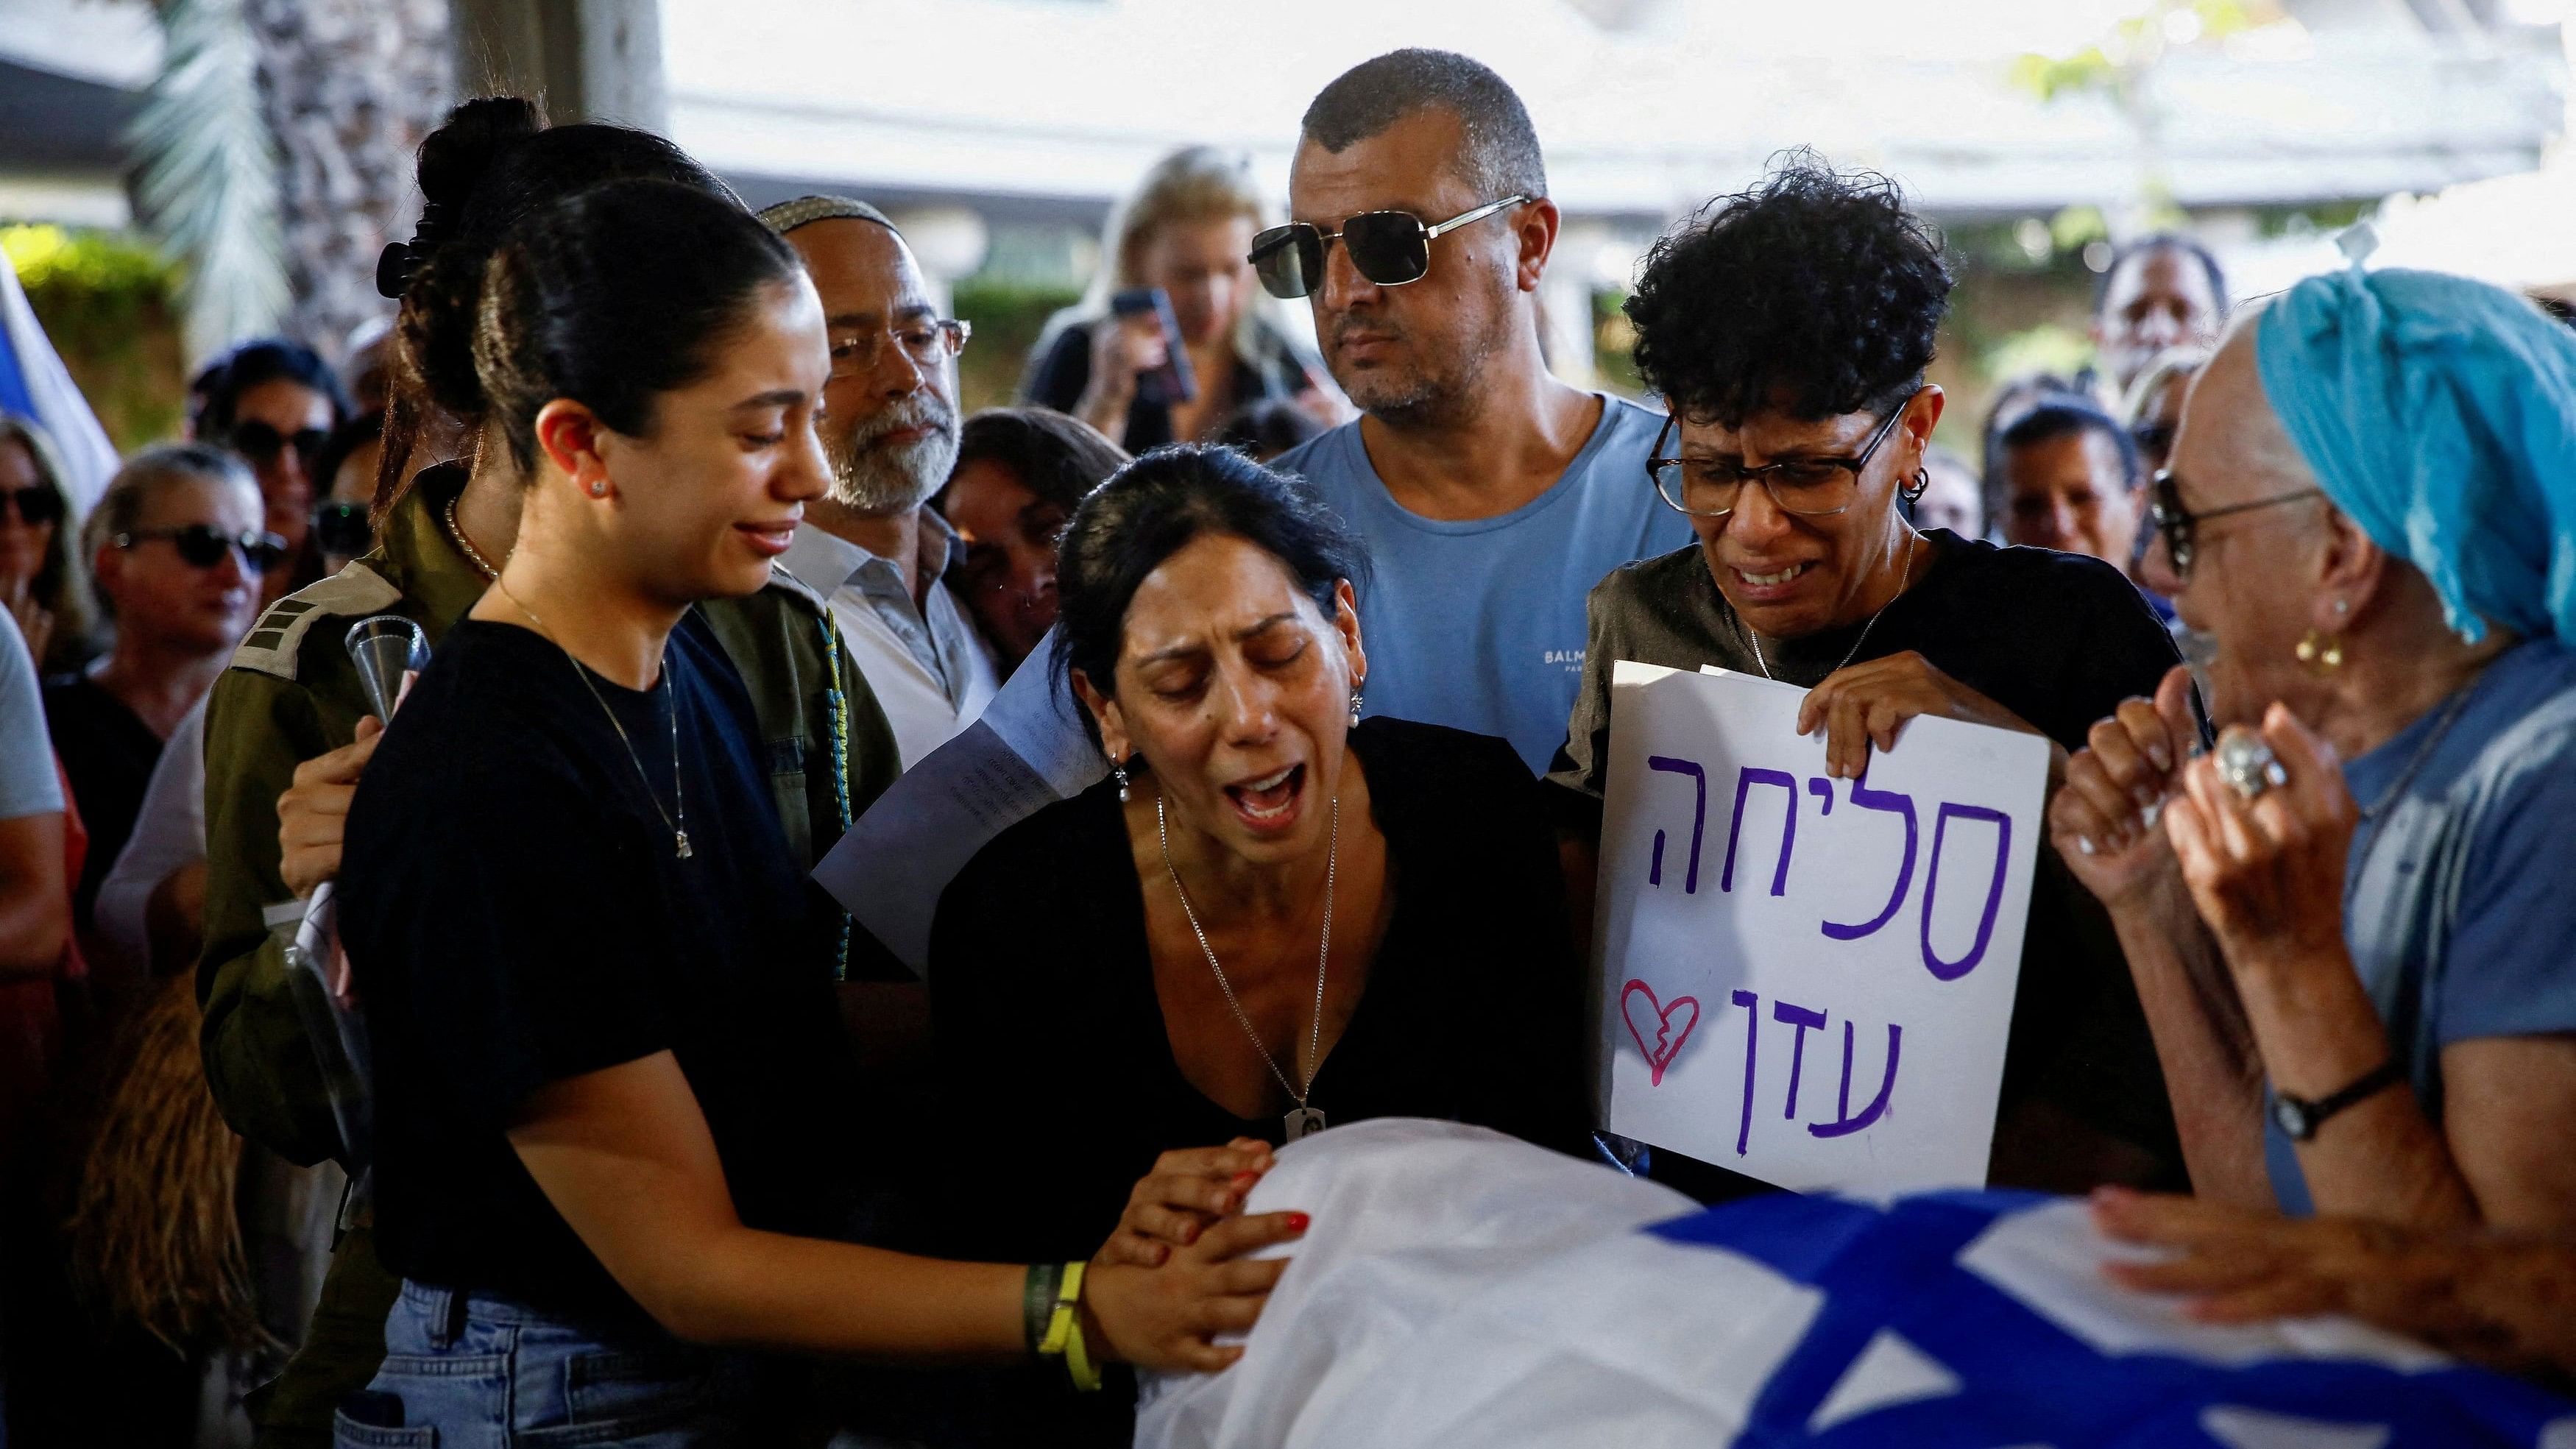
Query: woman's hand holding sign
pixel 1864 705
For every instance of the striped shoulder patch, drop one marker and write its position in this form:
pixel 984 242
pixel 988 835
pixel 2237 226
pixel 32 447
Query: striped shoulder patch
pixel 273 643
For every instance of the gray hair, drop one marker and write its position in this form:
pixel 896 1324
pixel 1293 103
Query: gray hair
pixel 145 475
pixel 1500 156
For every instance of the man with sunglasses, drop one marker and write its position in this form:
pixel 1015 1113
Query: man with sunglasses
pixel 1492 496
pixel 1790 328
pixel 273 404
pixel 874 547
pixel 176 554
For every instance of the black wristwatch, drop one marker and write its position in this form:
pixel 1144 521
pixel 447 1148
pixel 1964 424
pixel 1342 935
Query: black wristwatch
pixel 2300 1117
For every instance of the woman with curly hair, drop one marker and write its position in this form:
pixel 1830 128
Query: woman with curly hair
pixel 1789 328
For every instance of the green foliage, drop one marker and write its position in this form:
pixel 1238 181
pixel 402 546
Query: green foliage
pixel 1614 344
pixel 105 301
pixel 2048 347
pixel 2134 42
pixel 1008 315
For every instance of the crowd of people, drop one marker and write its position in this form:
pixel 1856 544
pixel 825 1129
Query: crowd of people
pixel 649 1143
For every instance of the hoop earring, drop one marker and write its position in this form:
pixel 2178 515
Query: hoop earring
pixel 1921 485
pixel 1120 770
pixel 2321 652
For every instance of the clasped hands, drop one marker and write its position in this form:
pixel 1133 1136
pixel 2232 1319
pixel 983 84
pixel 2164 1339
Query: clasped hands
pixel 1185 1228
pixel 2265 872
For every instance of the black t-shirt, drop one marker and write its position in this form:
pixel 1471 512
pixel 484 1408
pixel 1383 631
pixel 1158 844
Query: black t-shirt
pixel 1052 1044
pixel 108 753
pixel 2059 639
pixel 515 913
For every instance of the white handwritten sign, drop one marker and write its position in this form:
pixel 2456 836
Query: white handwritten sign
pixel 1805 979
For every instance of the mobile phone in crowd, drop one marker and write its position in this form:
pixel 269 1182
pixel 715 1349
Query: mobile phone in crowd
pixel 1173 382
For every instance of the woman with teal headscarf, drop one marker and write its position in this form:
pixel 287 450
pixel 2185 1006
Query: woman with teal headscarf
pixel 2353 923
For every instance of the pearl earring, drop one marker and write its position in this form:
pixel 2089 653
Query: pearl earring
pixel 1355 707
pixel 599 488
pixel 2343 606
pixel 1120 770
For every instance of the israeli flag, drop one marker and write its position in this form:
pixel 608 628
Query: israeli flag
pixel 1460 1288
pixel 34 384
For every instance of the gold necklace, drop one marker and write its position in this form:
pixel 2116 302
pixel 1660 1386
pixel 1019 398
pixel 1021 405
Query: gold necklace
pixel 679 827
pixel 473 555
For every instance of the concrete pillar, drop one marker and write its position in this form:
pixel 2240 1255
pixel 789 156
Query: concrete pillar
pixel 588 60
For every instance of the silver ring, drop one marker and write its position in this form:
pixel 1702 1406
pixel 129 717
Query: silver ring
pixel 2247 764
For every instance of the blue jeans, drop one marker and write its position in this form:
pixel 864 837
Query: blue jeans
pixel 478 1372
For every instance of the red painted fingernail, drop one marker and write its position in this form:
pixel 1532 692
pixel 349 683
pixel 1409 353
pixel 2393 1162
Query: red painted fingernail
pixel 1297 1222
pixel 1246 1179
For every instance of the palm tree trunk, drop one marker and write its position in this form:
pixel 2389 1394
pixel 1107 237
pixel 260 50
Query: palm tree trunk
pixel 349 88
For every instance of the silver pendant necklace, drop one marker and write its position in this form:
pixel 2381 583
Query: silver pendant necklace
pixel 679 827
pixel 1302 1120
pixel 1904 578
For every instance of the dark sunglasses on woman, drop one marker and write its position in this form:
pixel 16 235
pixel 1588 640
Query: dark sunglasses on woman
pixel 37 506
pixel 202 545
pixel 260 443
pixel 341 529
pixel 1389 248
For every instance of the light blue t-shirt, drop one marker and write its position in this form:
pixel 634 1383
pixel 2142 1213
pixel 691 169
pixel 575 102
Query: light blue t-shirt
pixel 28 784
pixel 2459 900
pixel 1479 625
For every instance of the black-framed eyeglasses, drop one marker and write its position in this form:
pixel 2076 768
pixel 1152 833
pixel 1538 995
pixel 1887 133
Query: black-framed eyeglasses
pixel 1812 486
pixel 2179 527
pixel 38 504
pixel 929 342
pixel 260 443
pixel 202 545
pixel 341 529
pixel 1389 248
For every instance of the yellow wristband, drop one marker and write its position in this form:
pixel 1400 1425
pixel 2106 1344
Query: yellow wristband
pixel 1064 1333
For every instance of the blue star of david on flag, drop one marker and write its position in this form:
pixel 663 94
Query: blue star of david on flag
pixel 1911 1347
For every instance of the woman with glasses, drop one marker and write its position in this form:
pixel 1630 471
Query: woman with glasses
pixel 1789 329
pixel 2354 920
pixel 1110 361
pixel 41 579
pixel 176 554
pixel 273 404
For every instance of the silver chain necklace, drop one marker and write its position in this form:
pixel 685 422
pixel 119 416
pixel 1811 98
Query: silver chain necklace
pixel 679 828
pixel 1902 580
pixel 1302 1120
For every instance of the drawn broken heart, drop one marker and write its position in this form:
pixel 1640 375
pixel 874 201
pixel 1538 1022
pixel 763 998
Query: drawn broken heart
pixel 1664 1041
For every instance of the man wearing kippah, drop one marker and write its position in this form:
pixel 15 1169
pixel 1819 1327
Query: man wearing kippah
pixel 874 547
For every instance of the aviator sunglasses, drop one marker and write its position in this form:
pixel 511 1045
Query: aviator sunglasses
pixel 202 545
pixel 1389 248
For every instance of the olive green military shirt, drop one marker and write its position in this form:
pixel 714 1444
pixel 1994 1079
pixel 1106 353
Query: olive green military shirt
pixel 292 693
